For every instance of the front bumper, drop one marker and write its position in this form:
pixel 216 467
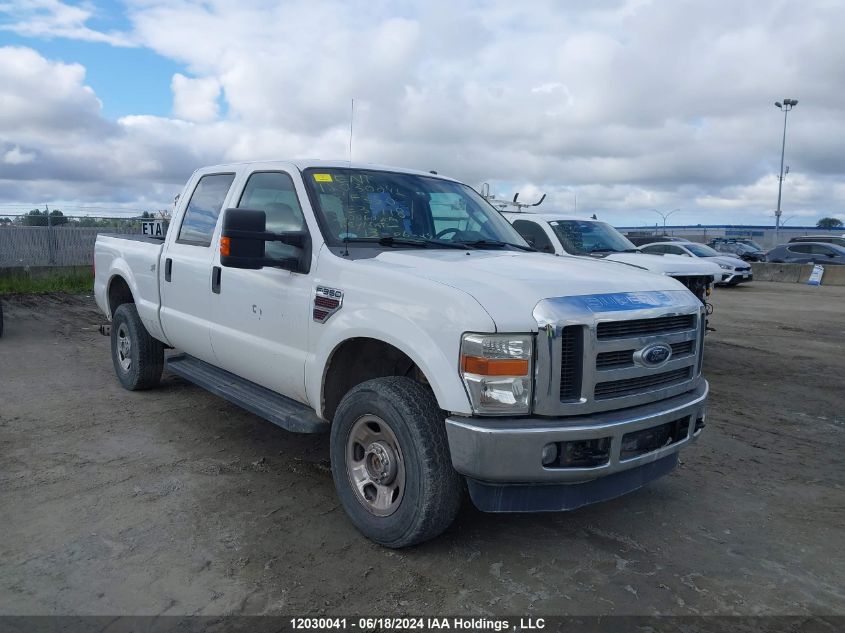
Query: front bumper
pixel 510 450
pixel 737 277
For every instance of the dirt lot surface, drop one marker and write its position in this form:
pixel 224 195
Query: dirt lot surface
pixel 175 502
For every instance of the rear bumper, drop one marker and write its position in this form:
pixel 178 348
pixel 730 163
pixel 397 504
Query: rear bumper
pixel 510 450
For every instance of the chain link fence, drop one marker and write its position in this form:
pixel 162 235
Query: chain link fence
pixel 61 245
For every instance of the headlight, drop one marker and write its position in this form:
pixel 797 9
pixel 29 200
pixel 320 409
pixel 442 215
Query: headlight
pixel 497 371
pixel 726 266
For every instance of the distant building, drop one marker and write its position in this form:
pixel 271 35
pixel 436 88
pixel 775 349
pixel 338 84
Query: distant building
pixel 762 234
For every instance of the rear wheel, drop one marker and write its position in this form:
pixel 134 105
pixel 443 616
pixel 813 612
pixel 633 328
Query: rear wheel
pixel 391 463
pixel 138 357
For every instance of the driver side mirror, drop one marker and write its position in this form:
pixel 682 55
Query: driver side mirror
pixel 244 237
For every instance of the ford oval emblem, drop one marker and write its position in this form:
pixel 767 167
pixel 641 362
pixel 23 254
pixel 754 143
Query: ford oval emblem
pixel 653 355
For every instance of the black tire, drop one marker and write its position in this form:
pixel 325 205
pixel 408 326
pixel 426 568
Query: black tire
pixel 140 365
pixel 432 490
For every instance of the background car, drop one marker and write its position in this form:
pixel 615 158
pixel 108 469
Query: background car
pixel 827 239
pixel 807 253
pixel 651 239
pixel 564 235
pixel 741 250
pixel 734 270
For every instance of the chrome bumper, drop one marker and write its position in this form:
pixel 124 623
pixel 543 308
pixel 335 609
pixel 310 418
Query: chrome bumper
pixel 509 450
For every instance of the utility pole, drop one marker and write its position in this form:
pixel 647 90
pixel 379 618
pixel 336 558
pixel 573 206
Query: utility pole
pixel 665 216
pixel 786 106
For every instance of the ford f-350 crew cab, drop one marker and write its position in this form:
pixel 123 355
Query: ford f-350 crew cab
pixel 401 312
pixel 585 237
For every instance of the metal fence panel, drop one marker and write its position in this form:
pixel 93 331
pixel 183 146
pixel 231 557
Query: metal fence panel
pixel 51 246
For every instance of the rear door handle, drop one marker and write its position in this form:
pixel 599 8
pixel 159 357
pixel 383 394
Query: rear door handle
pixel 168 267
pixel 215 279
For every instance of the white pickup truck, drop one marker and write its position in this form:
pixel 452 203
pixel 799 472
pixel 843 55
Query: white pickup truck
pixel 585 237
pixel 402 313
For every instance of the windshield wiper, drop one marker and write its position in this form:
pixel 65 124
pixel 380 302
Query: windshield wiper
pixel 394 240
pixel 497 244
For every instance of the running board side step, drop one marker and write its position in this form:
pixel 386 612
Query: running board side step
pixel 276 408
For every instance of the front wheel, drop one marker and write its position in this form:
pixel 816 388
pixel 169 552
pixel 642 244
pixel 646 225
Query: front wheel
pixel 138 357
pixel 391 463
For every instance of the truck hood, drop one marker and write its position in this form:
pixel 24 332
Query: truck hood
pixel 675 265
pixel 509 284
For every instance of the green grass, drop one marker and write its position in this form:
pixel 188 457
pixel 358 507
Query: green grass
pixel 72 283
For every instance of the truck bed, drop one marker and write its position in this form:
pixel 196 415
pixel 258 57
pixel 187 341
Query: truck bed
pixel 135 258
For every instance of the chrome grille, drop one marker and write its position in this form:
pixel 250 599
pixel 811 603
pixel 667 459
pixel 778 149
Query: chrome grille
pixel 625 358
pixel 640 327
pixel 629 386
pixel 586 350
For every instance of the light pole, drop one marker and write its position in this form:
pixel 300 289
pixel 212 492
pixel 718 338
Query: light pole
pixel 665 216
pixel 786 106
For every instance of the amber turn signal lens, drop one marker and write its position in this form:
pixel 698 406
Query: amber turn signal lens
pixel 494 366
pixel 225 246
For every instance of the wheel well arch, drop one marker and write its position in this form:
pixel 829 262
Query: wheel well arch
pixel 357 360
pixel 119 293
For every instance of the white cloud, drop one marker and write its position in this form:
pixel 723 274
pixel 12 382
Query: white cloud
pixel 54 18
pixel 195 99
pixel 630 105
pixel 16 156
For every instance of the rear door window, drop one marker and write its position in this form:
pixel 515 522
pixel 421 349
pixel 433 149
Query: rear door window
pixel 204 208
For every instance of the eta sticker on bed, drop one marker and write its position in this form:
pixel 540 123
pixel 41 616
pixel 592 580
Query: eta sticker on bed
pixel 323 177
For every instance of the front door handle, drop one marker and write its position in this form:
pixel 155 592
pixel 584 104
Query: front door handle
pixel 168 266
pixel 215 279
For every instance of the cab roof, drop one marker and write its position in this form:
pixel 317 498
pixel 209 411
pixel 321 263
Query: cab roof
pixel 308 163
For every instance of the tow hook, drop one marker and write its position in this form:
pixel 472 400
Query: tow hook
pixel 105 329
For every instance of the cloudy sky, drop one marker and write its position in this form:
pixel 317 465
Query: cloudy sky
pixel 628 105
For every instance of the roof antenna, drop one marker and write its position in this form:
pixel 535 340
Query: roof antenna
pixel 349 179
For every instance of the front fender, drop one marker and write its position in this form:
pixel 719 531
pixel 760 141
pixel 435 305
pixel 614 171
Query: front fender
pixel 435 352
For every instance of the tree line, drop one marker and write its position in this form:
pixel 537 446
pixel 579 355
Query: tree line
pixel 38 217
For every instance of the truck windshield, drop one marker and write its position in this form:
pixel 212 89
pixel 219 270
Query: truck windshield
pixel 581 237
pixel 400 209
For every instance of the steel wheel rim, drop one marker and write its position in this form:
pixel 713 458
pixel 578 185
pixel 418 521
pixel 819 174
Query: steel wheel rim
pixel 375 465
pixel 124 348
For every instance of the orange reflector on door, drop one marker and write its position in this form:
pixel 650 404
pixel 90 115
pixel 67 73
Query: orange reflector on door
pixel 225 246
pixel 494 366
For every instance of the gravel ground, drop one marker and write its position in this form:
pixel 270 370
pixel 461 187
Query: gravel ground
pixel 175 502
